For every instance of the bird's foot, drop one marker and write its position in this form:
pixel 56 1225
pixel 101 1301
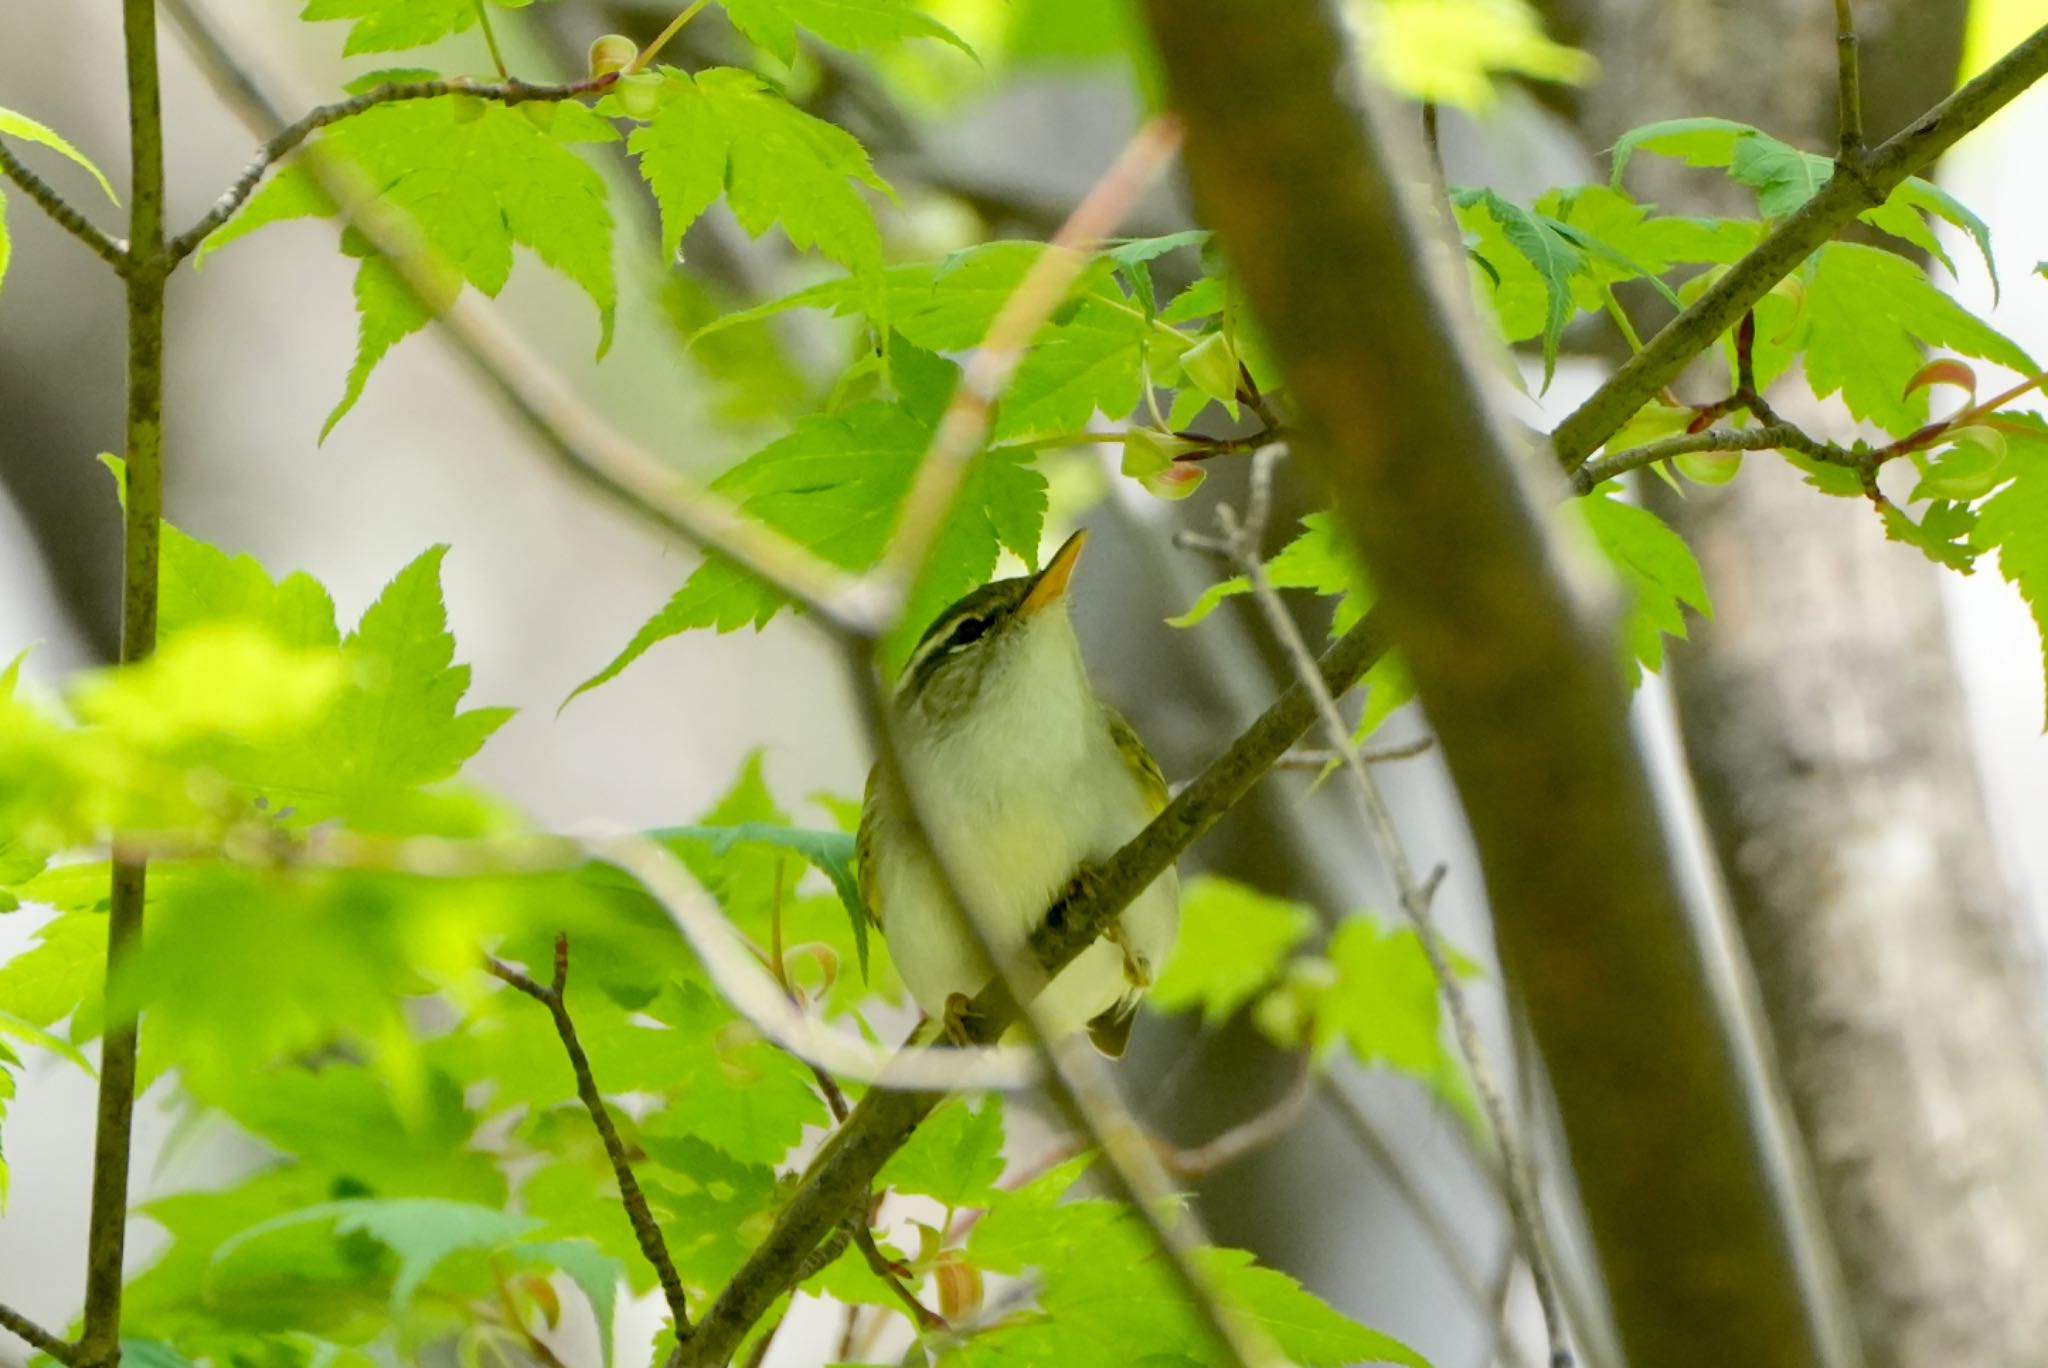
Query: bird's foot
pixel 960 1020
pixel 1137 969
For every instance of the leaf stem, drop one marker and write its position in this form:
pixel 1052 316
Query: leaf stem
pixel 483 21
pixel 653 49
pixel 66 215
pixel 1598 471
pixel 37 1338
pixel 645 1230
pixel 1848 70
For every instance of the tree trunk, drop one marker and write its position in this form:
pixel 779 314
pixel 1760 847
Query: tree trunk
pixel 1825 728
pixel 1700 1251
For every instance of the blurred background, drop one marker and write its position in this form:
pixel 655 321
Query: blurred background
pixel 546 582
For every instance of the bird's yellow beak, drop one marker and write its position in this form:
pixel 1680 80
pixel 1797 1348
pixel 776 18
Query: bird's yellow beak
pixel 1051 585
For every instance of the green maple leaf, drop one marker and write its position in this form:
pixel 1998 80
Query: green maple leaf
pixel 421 1231
pixel 1234 941
pixel 389 25
pixel 1785 177
pixel 724 132
pixel 18 125
pixel 956 1156
pixel 201 584
pixel 1107 1299
pixel 2015 521
pixel 1658 573
pixel 843 23
pixel 1319 558
pixel 475 181
pixel 397 725
pixel 1379 999
pixel 836 484
pixel 1090 362
pixel 1554 256
pixel 1868 316
pixel 1942 532
pixel 735 1091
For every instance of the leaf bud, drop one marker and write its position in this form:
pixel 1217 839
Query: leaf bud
pixel 1709 467
pixel 1211 366
pixel 959 1286
pixel 1148 451
pixel 640 94
pixel 612 52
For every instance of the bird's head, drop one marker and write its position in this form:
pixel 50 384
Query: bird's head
pixel 1008 636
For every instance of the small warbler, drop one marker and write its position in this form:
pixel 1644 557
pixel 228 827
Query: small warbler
pixel 1026 778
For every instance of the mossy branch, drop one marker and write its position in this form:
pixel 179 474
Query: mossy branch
pixel 63 212
pixel 146 267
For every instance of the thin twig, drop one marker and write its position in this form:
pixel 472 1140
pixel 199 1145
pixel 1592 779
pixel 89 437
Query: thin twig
pixel 1432 142
pixel 1251 1135
pixel 645 1230
pixel 282 143
pixel 922 1316
pixel 66 215
pixel 1497 1333
pixel 966 419
pixel 1302 758
pixel 1851 81
pixel 1246 539
pixel 1364 1132
pixel 37 1338
pixel 571 432
pixel 1601 469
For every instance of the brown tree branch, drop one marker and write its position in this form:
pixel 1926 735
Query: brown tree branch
pixel 645 1230
pixel 65 214
pixel 1702 1261
pixel 37 1338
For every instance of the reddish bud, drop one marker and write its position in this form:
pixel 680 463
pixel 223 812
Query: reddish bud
pixel 1943 371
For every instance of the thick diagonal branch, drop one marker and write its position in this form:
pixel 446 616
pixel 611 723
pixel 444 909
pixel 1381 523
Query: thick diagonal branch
pixel 1704 1264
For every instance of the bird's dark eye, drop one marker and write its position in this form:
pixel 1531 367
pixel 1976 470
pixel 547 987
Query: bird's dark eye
pixel 970 630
